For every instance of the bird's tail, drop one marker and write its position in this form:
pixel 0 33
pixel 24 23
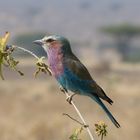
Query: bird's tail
pixel 114 121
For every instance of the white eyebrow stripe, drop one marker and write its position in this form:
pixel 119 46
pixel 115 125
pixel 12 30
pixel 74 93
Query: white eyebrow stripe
pixel 48 37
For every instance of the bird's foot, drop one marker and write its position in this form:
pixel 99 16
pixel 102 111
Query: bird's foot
pixel 85 125
pixel 63 89
pixel 69 98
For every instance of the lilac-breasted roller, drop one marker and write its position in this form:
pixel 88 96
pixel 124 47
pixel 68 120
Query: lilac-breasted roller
pixel 70 73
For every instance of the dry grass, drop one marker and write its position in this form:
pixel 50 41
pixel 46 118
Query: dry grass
pixel 31 109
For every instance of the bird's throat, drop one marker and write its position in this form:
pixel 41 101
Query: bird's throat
pixel 55 59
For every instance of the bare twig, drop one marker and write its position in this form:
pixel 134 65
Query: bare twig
pixel 81 117
pixel 75 120
pixel 25 50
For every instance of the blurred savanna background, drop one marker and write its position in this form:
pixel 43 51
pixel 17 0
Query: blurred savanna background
pixel 105 35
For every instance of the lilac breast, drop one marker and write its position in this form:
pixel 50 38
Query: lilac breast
pixel 55 58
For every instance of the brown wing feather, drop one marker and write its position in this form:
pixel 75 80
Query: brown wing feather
pixel 100 92
pixel 74 64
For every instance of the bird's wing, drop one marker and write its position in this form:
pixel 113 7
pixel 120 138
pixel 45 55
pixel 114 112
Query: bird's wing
pixel 75 66
pixel 78 69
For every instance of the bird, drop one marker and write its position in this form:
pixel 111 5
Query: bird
pixel 71 74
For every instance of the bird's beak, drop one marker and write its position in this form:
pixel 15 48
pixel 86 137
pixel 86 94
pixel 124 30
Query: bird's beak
pixel 38 42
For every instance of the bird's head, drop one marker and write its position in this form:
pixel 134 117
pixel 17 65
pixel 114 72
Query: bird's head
pixel 54 41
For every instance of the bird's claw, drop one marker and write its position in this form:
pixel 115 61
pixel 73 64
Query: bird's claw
pixel 69 99
pixel 85 125
pixel 63 89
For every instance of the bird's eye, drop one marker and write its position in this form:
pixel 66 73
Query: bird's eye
pixel 49 40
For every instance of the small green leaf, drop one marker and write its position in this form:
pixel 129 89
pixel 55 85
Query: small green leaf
pixel 6 57
pixel 12 63
pixel 1 62
pixel 3 42
pixel 42 67
pixel 101 129
pixel 75 135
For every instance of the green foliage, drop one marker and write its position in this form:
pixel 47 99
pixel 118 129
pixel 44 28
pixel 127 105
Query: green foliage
pixel 1 62
pixel 76 134
pixel 133 57
pixel 12 63
pixel 8 60
pixel 6 57
pixel 123 34
pixel 122 30
pixel 3 42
